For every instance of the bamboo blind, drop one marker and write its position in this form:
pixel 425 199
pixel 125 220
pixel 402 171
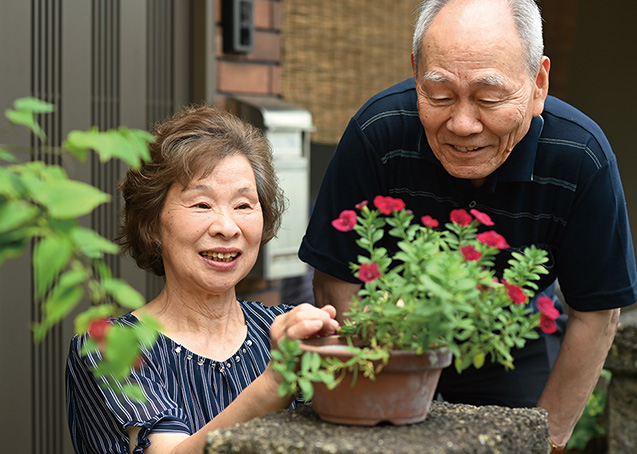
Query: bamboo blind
pixel 338 53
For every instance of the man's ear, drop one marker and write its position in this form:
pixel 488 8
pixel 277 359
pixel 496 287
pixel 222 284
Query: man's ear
pixel 541 86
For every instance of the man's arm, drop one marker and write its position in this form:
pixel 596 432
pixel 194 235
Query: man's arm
pixel 588 337
pixel 331 290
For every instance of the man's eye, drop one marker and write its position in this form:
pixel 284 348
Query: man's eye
pixel 440 100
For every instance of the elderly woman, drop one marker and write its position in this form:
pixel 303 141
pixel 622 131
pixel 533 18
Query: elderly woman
pixel 197 214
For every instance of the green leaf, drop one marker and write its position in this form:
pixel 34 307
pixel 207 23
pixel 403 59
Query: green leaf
pixel 67 199
pixel 27 119
pixel 12 249
pixel 33 105
pixel 7 156
pixel 62 299
pixel 91 244
pixel 478 360
pixel 121 349
pixel 306 388
pixel 131 146
pixel 306 362
pixel 50 257
pixel 123 293
pixel 14 214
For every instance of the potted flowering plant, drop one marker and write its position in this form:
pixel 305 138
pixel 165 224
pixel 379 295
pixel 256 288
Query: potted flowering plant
pixel 438 295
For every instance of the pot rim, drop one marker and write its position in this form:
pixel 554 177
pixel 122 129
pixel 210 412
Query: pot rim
pixel 318 344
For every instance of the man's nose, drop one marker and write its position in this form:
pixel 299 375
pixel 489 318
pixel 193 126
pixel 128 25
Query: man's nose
pixel 465 120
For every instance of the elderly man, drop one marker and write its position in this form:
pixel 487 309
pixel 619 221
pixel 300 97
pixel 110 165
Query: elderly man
pixel 475 127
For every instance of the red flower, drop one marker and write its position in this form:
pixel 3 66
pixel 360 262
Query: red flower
pixel 492 239
pixel 547 325
pixel 361 205
pixel 98 329
pixel 428 221
pixel 470 253
pixel 482 217
pixel 516 294
pixel 369 272
pixel 546 307
pixel 346 221
pixel 460 217
pixel 388 204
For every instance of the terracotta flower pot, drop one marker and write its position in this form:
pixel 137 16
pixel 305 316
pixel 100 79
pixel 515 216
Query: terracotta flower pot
pixel 401 394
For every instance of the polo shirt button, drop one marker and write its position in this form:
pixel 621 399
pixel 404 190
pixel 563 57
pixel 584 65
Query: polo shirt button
pixel 472 204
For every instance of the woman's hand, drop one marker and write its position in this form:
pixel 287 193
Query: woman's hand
pixel 302 322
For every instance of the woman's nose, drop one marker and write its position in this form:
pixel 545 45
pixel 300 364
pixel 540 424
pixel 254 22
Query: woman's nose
pixel 223 224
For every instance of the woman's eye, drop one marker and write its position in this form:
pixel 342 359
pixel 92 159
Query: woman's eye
pixel 243 206
pixel 202 205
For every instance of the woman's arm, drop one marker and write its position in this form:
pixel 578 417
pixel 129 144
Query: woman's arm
pixel 258 399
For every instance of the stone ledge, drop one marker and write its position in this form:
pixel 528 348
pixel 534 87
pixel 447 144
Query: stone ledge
pixel 622 358
pixel 449 428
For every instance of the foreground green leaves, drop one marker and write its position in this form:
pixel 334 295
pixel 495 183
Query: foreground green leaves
pixel 40 204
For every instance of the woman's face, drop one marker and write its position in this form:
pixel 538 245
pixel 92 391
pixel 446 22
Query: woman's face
pixel 211 230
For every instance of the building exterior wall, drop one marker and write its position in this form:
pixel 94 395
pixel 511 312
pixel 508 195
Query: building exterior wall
pixel 134 62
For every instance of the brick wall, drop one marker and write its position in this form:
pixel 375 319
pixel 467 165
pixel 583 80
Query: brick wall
pixel 258 72
pixel 338 53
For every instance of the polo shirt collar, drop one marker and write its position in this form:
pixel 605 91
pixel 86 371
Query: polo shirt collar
pixel 520 163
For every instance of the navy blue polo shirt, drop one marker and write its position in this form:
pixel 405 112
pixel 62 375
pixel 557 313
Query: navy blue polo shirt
pixel 559 189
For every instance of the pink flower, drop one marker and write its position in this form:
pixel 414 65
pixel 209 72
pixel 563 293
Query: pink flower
pixel 547 325
pixel 516 294
pixel 428 221
pixel 482 217
pixel 361 205
pixel 546 307
pixel 346 221
pixel 460 217
pixel 369 272
pixel 492 239
pixel 400 303
pixel 388 204
pixel 470 253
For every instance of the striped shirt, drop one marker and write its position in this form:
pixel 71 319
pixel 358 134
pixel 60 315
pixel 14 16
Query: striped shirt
pixel 184 391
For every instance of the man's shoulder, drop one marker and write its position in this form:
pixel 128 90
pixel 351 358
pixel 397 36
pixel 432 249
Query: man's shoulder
pixel 566 122
pixel 399 99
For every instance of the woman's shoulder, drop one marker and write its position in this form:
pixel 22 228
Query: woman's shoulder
pixel 254 310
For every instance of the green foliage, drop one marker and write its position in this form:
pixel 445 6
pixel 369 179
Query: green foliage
pixel 430 294
pixel 39 203
pixel 590 424
pixel 316 369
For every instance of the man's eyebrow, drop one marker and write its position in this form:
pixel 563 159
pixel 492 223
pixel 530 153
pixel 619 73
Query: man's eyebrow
pixel 434 76
pixel 491 80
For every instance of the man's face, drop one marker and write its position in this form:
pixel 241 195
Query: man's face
pixel 476 97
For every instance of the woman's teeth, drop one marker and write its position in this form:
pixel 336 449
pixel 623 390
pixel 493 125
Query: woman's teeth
pixel 220 256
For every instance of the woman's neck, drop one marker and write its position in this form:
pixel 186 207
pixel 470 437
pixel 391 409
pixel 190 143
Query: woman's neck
pixel 213 326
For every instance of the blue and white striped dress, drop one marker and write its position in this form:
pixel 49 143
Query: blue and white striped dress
pixel 184 390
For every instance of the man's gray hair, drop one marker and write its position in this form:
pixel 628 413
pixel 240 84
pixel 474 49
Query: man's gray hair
pixel 527 18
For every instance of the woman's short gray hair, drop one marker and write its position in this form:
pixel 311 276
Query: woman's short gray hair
pixel 526 15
